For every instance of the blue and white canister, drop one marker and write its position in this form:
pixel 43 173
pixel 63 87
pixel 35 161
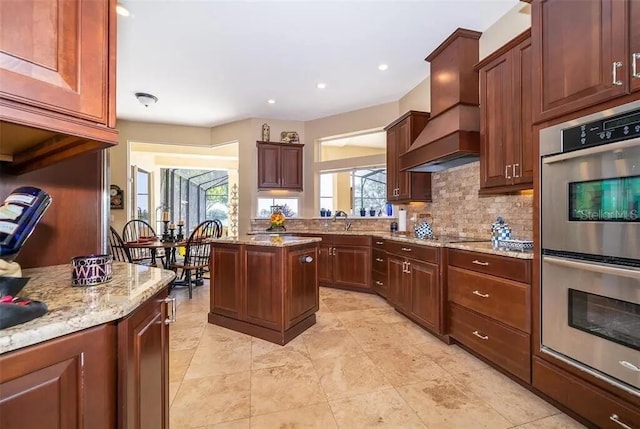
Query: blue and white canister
pixel 500 230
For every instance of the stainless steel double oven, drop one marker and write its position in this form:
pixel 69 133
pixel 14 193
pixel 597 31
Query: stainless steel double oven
pixel 590 241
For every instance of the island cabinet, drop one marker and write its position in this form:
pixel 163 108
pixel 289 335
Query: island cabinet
pixel 506 148
pixel 57 69
pixel 605 31
pixel 379 278
pixel 414 282
pixel 280 166
pixel 345 262
pixel 405 186
pixel 490 307
pixel 270 292
pixel 68 382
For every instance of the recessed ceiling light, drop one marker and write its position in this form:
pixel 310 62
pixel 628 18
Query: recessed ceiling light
pixel 383 67
pixel 271 101
pixel 121 10
pixel 321 85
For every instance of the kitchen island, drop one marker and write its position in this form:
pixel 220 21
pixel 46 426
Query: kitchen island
pixel 97 359
pixel 265 286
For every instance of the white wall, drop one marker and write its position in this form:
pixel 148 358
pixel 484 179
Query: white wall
pixel 512 23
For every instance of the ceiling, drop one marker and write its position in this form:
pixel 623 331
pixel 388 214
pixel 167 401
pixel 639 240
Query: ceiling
pixel 212 62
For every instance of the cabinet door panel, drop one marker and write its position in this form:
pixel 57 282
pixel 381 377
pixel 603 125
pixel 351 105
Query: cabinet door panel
pixel 302 285
pixel 576 66
pixel 63 65
pixel 226 279
pixel 291 167
pixel 268 167
pixel 352 266
pixel 392 163
pixel 425 298
pixel 523 88
pixel 325 263
pixel 496 123
pixel 404 141
pixel 395 273
pixel 263 291
pixel 143 356
pixel 634 43
pixel 69 381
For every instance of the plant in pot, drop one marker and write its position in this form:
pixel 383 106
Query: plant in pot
pixel 363 212
pixel 372 211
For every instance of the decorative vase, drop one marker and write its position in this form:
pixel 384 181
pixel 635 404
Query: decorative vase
pixel 372 212
pixel 500 230
pixel 363 212
pixel 423 230
pixel 265 133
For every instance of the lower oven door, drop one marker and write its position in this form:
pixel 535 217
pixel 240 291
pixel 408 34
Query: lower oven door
pixel 591 315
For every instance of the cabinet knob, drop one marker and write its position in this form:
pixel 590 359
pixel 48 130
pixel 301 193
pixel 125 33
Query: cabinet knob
pixel 306 259
pixel 172 319
pixel 614 73
pixel 379 260
pixel 379 283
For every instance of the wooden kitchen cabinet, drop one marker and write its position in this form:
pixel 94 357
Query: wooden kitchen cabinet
pixel 379 277
pixel 490 308
pixel 57 68
pixel 270 292
pixel 405 186
pixel 280 166
pixel 506 148
pixel 414 282
pixel 69 382
pixel 143 366
pixel 583 52
pixel 346 262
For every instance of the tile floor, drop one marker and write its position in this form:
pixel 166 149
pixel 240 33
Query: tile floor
pixel 361 365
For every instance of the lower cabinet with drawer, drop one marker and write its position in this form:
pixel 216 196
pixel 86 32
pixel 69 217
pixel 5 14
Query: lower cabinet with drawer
pixel 344 261
pixel 379 278
pixel 490 308
pixel 414 283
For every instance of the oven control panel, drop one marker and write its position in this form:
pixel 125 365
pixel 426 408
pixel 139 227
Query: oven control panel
pixel 602 131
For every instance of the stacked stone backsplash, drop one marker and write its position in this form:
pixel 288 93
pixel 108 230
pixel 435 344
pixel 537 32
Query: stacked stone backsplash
pixel 458 210
pixel 301 225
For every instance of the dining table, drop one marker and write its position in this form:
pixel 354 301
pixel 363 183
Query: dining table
pixel 155 244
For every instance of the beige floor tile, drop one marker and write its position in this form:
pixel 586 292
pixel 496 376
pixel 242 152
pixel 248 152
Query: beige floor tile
pixel 215 336
pixel 214 360
pixel 324 322
pixel 236 424
pixel 510 399
pixel 183 339
pixel 414 333
pixel 205 401
pixel 191 319
pixel 377 337
pixel 322 307
pixel 179 361
pixel 382 409
pixel 315 416
pixel 349 302
pixel 406 366
pixel 365 318
pixel 284 388
pixel 441 404
pixel 173 390
pixel 266 355
pixel 345 376
pixel 558 421
pixel 452 359
pixel 331 344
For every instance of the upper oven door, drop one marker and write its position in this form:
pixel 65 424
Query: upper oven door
pixel 590 200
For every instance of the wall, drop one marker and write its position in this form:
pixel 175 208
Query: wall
pixel 419 98
pixel 514 22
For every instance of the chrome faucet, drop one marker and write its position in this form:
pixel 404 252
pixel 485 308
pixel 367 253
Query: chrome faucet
pixel 347 224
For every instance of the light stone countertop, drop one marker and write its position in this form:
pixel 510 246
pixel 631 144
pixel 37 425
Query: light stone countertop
pixel 74 308
pixel 486 247
pixel 274 240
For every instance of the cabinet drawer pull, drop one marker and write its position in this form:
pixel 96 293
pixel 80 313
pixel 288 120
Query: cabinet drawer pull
pixel 634 64
pixel 629 365
pixel 172 319
pixel 506 171
pixel 614 73
pixel 406 249
pixel 408 267
pixel 515 174
pixel 616 419
pixel 484 264
pixel 380 242
pixel 479 335
pixel 379 260
pixel 483 295
pixel 379 283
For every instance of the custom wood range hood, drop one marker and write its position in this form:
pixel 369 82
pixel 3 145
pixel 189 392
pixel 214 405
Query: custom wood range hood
pixel 452 135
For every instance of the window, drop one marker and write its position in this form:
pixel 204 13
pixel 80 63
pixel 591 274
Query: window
pixel 326 191
pixel 289 206
pixel 354 189
pixel 143 186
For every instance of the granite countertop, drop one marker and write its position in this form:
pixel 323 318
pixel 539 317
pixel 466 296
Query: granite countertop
pixel 74 308
pixel 486 247
pixel 275 240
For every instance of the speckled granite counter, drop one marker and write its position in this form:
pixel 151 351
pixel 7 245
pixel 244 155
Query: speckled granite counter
pixel 276 240
pixel 485 247
pixel 73 309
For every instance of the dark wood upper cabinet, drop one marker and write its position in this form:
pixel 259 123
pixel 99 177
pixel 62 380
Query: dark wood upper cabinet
pixel 57 68
pixel 280 166
pixel 582 53
pixel 405 186
pixel 506 151
pixel 634 44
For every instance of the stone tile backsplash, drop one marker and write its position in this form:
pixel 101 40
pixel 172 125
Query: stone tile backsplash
pixel 456 210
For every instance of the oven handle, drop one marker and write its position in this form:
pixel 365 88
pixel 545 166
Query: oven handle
pixel 591 151
pixel 596 268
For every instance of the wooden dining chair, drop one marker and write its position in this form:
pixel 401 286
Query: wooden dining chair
pixel 117 248
pixel 133 231
pixel 189 271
